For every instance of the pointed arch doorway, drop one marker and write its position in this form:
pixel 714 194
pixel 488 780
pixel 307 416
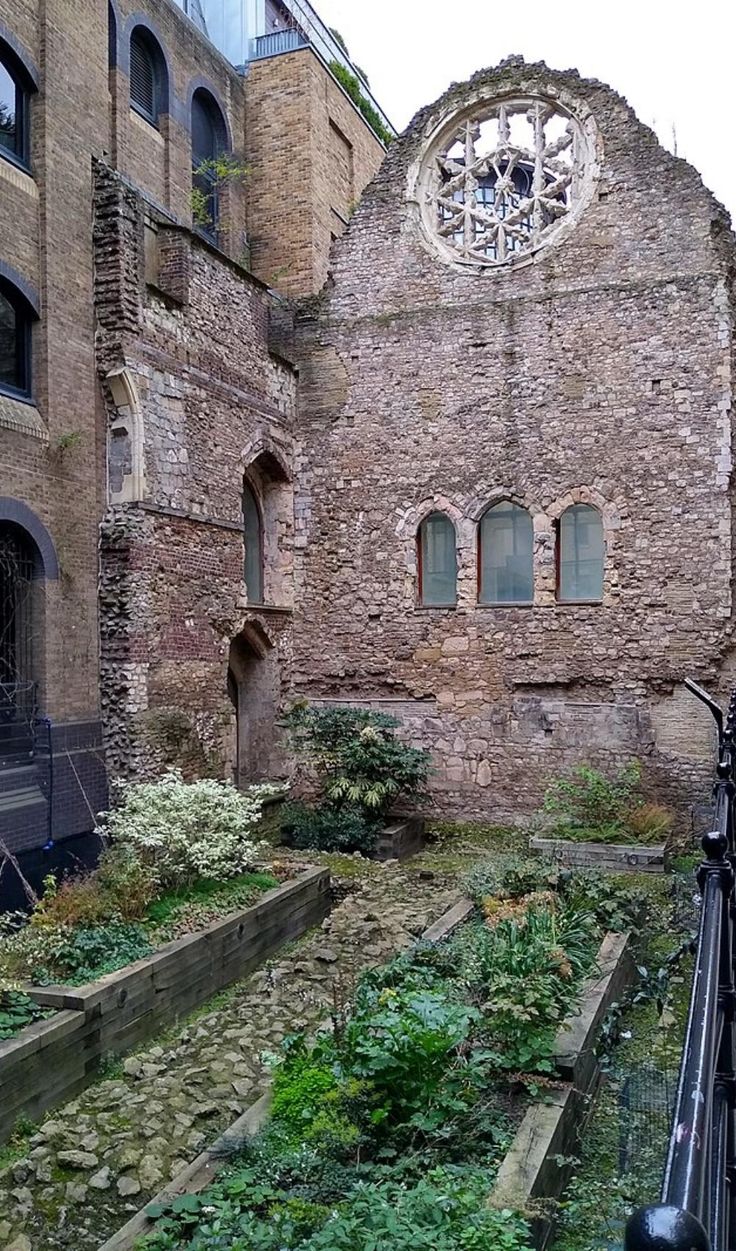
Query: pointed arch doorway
pixel 253 687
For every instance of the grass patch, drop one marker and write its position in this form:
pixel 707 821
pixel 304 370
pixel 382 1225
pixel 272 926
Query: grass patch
pixel 188 908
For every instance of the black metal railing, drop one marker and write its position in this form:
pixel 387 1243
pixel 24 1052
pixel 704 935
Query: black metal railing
pixel 697 1211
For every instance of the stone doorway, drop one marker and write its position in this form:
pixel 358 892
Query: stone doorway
pixel 253 687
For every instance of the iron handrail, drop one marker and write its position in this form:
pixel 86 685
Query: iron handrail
pixel 697 1211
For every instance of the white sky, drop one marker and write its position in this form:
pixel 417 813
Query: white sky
pixel 675 62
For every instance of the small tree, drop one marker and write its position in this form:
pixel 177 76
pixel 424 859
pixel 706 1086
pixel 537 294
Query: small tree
pixel 210 178
pixel 358 757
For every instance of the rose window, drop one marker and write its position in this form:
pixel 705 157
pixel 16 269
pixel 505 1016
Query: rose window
pixel 505 180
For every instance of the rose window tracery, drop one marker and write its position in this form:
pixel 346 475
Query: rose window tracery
pixel 501 181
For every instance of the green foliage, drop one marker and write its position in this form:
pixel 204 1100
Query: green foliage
pixel 357 755
pixel 216 173
pixel 351 85
pixel 590 807
pixel 90 953
pixel 330 828
pixel 16 1011
pixel 185 909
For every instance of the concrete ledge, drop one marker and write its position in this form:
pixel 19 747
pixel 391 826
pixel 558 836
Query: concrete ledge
pixel 611 857
pixel 550 1131
pixel 51 1061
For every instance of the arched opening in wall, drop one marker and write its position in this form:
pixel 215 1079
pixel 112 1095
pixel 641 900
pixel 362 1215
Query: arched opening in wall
pixel 506 555
pixel 21 639
pixel 209 141
pixel 437 562
pixel 253 688
pixel 149 82
pixel 581 554
pixel 266 507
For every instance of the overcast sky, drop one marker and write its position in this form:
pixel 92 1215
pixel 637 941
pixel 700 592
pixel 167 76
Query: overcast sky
pixel 674 62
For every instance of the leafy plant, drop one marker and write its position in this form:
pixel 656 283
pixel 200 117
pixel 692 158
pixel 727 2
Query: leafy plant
pixel 351 84
pixel 592 807
pixel 16 1011
pixel 345 828
pixel 90 953
pixel 210 177
pixel 182 831
pixel 357 755
pixel 187 908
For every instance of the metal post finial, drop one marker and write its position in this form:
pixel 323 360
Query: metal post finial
pixel 665 1228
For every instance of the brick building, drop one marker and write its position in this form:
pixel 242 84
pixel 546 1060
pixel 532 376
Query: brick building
pixel 467 460
pixel 158 187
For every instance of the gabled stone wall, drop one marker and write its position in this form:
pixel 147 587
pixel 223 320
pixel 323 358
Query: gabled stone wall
pixel 598 371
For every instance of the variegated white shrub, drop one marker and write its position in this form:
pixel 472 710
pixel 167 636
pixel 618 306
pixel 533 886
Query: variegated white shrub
pixel 185 830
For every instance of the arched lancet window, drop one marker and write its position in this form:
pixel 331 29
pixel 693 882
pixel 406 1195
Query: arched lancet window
pixel 437 562
pixel 580 554
pixel 506 555
pixel 147 76
pixel 15 91
pixel 112 38
pixel 15 341
pixel 253 538
pixel 21 620
pixel 209 140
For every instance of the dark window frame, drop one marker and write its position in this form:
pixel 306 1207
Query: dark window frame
pixel 203 100
pixel 21 154
pixel 149 47
pixel 249 487
pixel 24 318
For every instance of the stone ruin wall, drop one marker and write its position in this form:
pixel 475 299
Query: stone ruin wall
pixel 598 372
pixel 194 398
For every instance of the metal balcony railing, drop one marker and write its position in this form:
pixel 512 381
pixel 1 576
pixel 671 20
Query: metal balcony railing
pixel 697 1211
pixel 278 41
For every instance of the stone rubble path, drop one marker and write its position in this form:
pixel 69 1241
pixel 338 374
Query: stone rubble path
pixel 97 1160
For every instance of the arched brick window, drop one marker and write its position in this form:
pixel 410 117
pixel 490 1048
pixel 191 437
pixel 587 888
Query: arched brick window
pixel 15 92
pixel 209 140
pixel 437 562
pixel 581 554
pixel 506 555
pixel 148 76
pixel 16 317
pixel 253 539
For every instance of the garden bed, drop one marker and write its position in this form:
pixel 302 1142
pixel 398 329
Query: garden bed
pixel 391 1128
pixel 610 857
pixel 52 1060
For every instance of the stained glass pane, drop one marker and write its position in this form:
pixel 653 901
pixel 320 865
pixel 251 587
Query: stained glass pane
pixel 506 555
pixel 438 561
pixel 253 547
pixel 581 554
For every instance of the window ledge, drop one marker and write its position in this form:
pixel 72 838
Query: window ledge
pixel 509 603
pixel 22 416
pixel 14 171
pixel 274 608
pixel 151 127
pixel 578 603
pixel 435 607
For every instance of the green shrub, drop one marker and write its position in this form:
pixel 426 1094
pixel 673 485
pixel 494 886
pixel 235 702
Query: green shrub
pixel 330 828
pixel 181 831
pixel 90 953
pixel 588 806
pixel 352 85
pixel 360 761
pixel 16 1011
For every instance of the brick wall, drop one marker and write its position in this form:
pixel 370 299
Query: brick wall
pixel 601 372
pixel 211 406
pixel 301 190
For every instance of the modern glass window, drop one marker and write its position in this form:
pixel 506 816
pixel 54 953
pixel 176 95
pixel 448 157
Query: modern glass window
pixel 147 75
pixel 437 556
pixel 209 140
pixel 253 537
pixel 580 555
pixel 506 555
pixel 15 342
pixel 13 110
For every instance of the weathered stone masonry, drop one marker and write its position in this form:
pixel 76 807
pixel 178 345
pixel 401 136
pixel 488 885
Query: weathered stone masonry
pixel 599 371
pixel 211 404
